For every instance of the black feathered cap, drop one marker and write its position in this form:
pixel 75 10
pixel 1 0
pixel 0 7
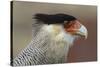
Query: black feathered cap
pixel 53 19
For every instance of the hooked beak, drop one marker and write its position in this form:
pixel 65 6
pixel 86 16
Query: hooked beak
pixel 82 32
pixel 76 28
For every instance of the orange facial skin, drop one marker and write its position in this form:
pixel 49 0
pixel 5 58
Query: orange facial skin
pixel 72 26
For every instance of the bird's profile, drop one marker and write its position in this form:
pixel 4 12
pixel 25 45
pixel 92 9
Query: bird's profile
pixel 53 35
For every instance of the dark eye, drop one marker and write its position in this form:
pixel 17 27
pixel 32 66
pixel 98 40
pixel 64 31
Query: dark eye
pixel 67 24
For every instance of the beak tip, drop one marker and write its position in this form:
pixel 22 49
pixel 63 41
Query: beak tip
pixel 83 31
pixel 85 37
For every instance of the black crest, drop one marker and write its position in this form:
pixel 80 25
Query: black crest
pixel 54 19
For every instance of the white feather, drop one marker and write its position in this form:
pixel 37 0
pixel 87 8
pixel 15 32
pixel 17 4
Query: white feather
pixel 61 42
pixel 58 33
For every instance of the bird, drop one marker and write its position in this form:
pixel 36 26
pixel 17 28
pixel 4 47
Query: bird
pixel 52 37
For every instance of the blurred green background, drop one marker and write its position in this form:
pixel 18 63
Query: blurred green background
pixel 83 50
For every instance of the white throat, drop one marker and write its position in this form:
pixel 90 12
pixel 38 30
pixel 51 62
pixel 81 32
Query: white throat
pixel 61 41
pixel 58 33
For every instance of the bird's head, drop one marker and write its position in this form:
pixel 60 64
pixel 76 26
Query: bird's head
pixel 75 28
pixel 70 24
